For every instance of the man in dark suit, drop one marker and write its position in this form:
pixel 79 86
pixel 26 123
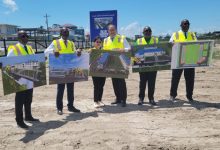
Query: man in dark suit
pixel 23 98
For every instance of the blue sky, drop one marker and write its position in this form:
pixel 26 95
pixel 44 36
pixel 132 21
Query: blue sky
pixel 163 16
pixel 69 61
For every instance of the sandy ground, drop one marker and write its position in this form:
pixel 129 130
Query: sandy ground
pixel 167 126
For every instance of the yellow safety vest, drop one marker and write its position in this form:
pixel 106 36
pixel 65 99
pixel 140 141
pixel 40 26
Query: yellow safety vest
pixel 19 50
pixel 62 48
pixel 142 41
pixel 118 42
pixel 180 37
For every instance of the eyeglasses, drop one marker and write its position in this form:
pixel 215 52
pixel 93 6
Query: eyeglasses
pixel 147 31
pixel 98 42
pixel 186 24
pixel 24 36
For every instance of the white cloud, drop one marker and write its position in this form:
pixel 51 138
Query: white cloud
pixel 131 30
pixel 11 5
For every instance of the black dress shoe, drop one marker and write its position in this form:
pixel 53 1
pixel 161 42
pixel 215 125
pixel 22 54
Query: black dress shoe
pixel 22 125
pixel 190 99
pixel 32 119
pixel 73 109
pixel 140 102
pixel 152 102
pixel 116 102
pixel 123 104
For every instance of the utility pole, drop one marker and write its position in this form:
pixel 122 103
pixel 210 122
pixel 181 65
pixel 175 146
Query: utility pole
pixel 48 37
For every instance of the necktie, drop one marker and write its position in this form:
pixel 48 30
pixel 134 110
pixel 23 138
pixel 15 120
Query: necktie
pixel 185 35
pixel 25 47
pixel 65 41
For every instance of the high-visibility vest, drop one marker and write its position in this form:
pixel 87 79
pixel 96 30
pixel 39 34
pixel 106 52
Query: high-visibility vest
pixel 19 50
pixel 118 42
pixel 62 48
pixel 192 56
pixel 142 41
pixel 180 37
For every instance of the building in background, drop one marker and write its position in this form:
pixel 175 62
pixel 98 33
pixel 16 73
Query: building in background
pixel 75 33
pixel 36 33
pixel 8 31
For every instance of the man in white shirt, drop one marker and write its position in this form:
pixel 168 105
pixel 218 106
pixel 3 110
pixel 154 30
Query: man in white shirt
pixel 184 35
pixel 57 47
pixel 117 42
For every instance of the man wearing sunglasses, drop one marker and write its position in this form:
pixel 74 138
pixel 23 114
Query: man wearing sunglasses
pixel 184 35
pixel 23 98
pixel 63 46
pixel 145 77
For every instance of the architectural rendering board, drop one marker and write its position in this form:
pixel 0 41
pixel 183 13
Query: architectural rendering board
pixel 68 68
pixel 154 57
pixel 192 54
pixel 20 73
pixel 109 64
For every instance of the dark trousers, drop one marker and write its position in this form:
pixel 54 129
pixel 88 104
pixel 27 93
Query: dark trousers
pixel 23 98
pixel 149 77
pixel 120 89
pixel 98 83
pixel 70 95
pixel 189 75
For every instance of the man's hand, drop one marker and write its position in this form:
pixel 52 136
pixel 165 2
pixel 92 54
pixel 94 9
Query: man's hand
pixel 119 49
pixel 79 52
pixel 202 60
pixel 57 54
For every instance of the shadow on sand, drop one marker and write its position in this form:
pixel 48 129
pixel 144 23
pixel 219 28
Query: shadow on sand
pixel 38 129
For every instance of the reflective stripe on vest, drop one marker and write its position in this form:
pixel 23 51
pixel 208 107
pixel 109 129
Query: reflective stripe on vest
pixel 18 50
pixel 58 45
pixel 192 35
pixel 155 41
pixel 177 36
pixel 140 41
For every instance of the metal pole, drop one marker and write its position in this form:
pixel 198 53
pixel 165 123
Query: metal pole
pixel 48 37
pixel 6 51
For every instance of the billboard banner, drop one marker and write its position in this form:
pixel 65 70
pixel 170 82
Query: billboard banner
pixel 99 21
